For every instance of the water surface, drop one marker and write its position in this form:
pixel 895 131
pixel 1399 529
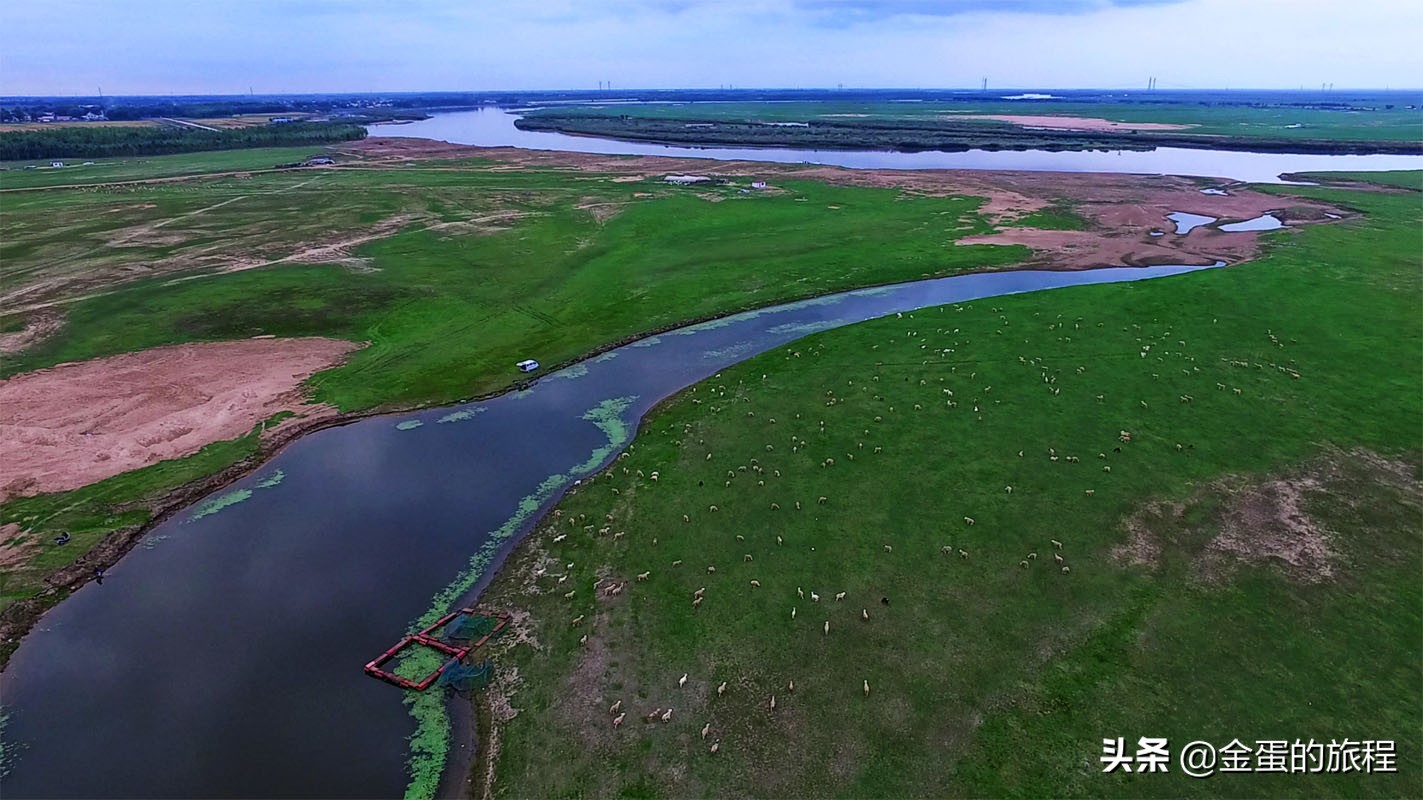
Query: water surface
pixel 490 127
pixel 222 657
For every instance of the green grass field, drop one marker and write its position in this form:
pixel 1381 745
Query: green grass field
pixel 466 270
pixel 1271 408
pixel 1398 124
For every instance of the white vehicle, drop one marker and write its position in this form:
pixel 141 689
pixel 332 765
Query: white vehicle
pixel 527 365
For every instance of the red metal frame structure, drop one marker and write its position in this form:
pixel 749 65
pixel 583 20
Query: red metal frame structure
pixel 426 638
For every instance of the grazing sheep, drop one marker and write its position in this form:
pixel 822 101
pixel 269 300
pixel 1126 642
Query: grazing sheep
pixel 867 688
pixel 822 500
pixel 1023 564
pixel 755 583
pixel 559 538
pixel 968 520
pixel 642 576
pixel 775 506
pixel 792 612
pixel 697 602
pixel 1056 544
pixel 814 598
pixel 656 712
pixel 1057 558
pixel 747 557
pixel 682 681
pixel 578 620
pixel 800 593
pixel 797 505
pixel 773 702
pixel 706 729
pixel 865 614
pixel 1008 489
pixel 618 720
pixel 888 549
pixel 583 640
pixel 712 508
pixel 1106 469
pixel 721 690
pixel 1066 569
pixel 667 716
pixel 1237 391
pixel 570 594
pixel 1032 556
pixel 946 549
pixel 963 554
pixel 779 540
pixel 677 563
pixel 716 746
pixel 1089 492
pixel 686 518
pixel 827 627
pixel 615 707
pixel 839 595
pixel 700 592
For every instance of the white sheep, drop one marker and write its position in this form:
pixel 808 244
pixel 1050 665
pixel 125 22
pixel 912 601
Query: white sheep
pixel 839 595
pixel 755 583
pixel 715 746
pixel 814 598
pixel 773 702
pixel 682 681
pixel 867 688
pixel 667 716
pixel 578 620
pixel 865 614
pixel 968 520
pixel 642 576
pixel 618 720
pixel 827 627
pixel 721 690
pixel 888 548
pixel 569 595
pixel 706 729
pixel 1056 544
pixel 615 707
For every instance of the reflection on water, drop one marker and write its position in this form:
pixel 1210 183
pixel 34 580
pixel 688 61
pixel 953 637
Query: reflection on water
pixel 1185 223
pixel 1265 222
pixel 226 661
pixel 491 127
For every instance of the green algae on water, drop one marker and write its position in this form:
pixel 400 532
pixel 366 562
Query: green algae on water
pixel 271 480
pixel 430 742
pixel 408 425
pixel 462 415
pixel 216 504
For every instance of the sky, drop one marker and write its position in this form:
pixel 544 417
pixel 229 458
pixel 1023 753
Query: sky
pixel 74 47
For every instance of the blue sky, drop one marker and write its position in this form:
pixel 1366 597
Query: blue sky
pixel 226 46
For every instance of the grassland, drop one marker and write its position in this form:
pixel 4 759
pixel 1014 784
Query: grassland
pixel 1274 121
pixel 1245 566
pixel 450 270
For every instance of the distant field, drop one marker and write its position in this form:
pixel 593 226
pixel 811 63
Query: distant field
pixel 7 127
pixel 13 174
pixel 1397 124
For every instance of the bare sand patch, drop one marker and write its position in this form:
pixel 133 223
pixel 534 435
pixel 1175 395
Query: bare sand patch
pixel 1074 123
pixel 38 327
pixel 71 425
pixel 13 555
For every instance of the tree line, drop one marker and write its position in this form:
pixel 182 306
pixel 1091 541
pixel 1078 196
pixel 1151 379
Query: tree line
pixel 80 141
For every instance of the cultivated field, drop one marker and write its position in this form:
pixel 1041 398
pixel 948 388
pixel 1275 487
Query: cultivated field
pixel 1187 508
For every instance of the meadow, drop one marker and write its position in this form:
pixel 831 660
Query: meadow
pixel 1282 120
pixel 451 271
pixel 1229 460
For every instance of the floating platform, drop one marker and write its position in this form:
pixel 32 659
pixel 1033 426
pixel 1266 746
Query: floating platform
pixel 428 638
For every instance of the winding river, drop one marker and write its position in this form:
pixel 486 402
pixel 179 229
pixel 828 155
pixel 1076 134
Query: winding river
pixel 222 657
pixel 494 127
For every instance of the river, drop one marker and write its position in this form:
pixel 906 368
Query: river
pixel 223 656
pixel 494 127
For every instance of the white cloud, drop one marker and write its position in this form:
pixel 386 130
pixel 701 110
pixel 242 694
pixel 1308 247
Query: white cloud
pixel 225 46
